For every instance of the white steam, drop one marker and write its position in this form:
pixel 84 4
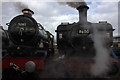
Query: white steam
pixel 74 4
pixel 19 6
pixel 102 58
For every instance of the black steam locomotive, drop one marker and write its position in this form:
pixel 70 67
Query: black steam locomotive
pixel 78 41
pixel 27 45
pixel 79 37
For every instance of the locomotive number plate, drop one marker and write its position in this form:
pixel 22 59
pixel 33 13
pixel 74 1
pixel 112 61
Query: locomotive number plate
pixel 22 24
pixel 86 31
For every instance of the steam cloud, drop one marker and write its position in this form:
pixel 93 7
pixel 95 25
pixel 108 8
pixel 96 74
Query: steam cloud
pixel 19 6
pixel 102 58
pixel 74 4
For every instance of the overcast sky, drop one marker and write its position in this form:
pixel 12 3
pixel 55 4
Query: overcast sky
pixel 51 13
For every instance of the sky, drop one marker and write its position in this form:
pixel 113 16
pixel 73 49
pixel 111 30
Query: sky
pixel 50 13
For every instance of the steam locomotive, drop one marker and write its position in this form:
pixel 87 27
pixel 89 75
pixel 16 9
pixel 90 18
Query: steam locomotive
pixel 78 39
pixel 79 36
pixel 28 45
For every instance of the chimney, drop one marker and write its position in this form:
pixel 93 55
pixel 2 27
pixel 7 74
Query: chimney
pixel 83 13
pixel 27 12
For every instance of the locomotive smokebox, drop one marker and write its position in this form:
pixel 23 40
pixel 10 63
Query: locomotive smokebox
pixel 83 13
